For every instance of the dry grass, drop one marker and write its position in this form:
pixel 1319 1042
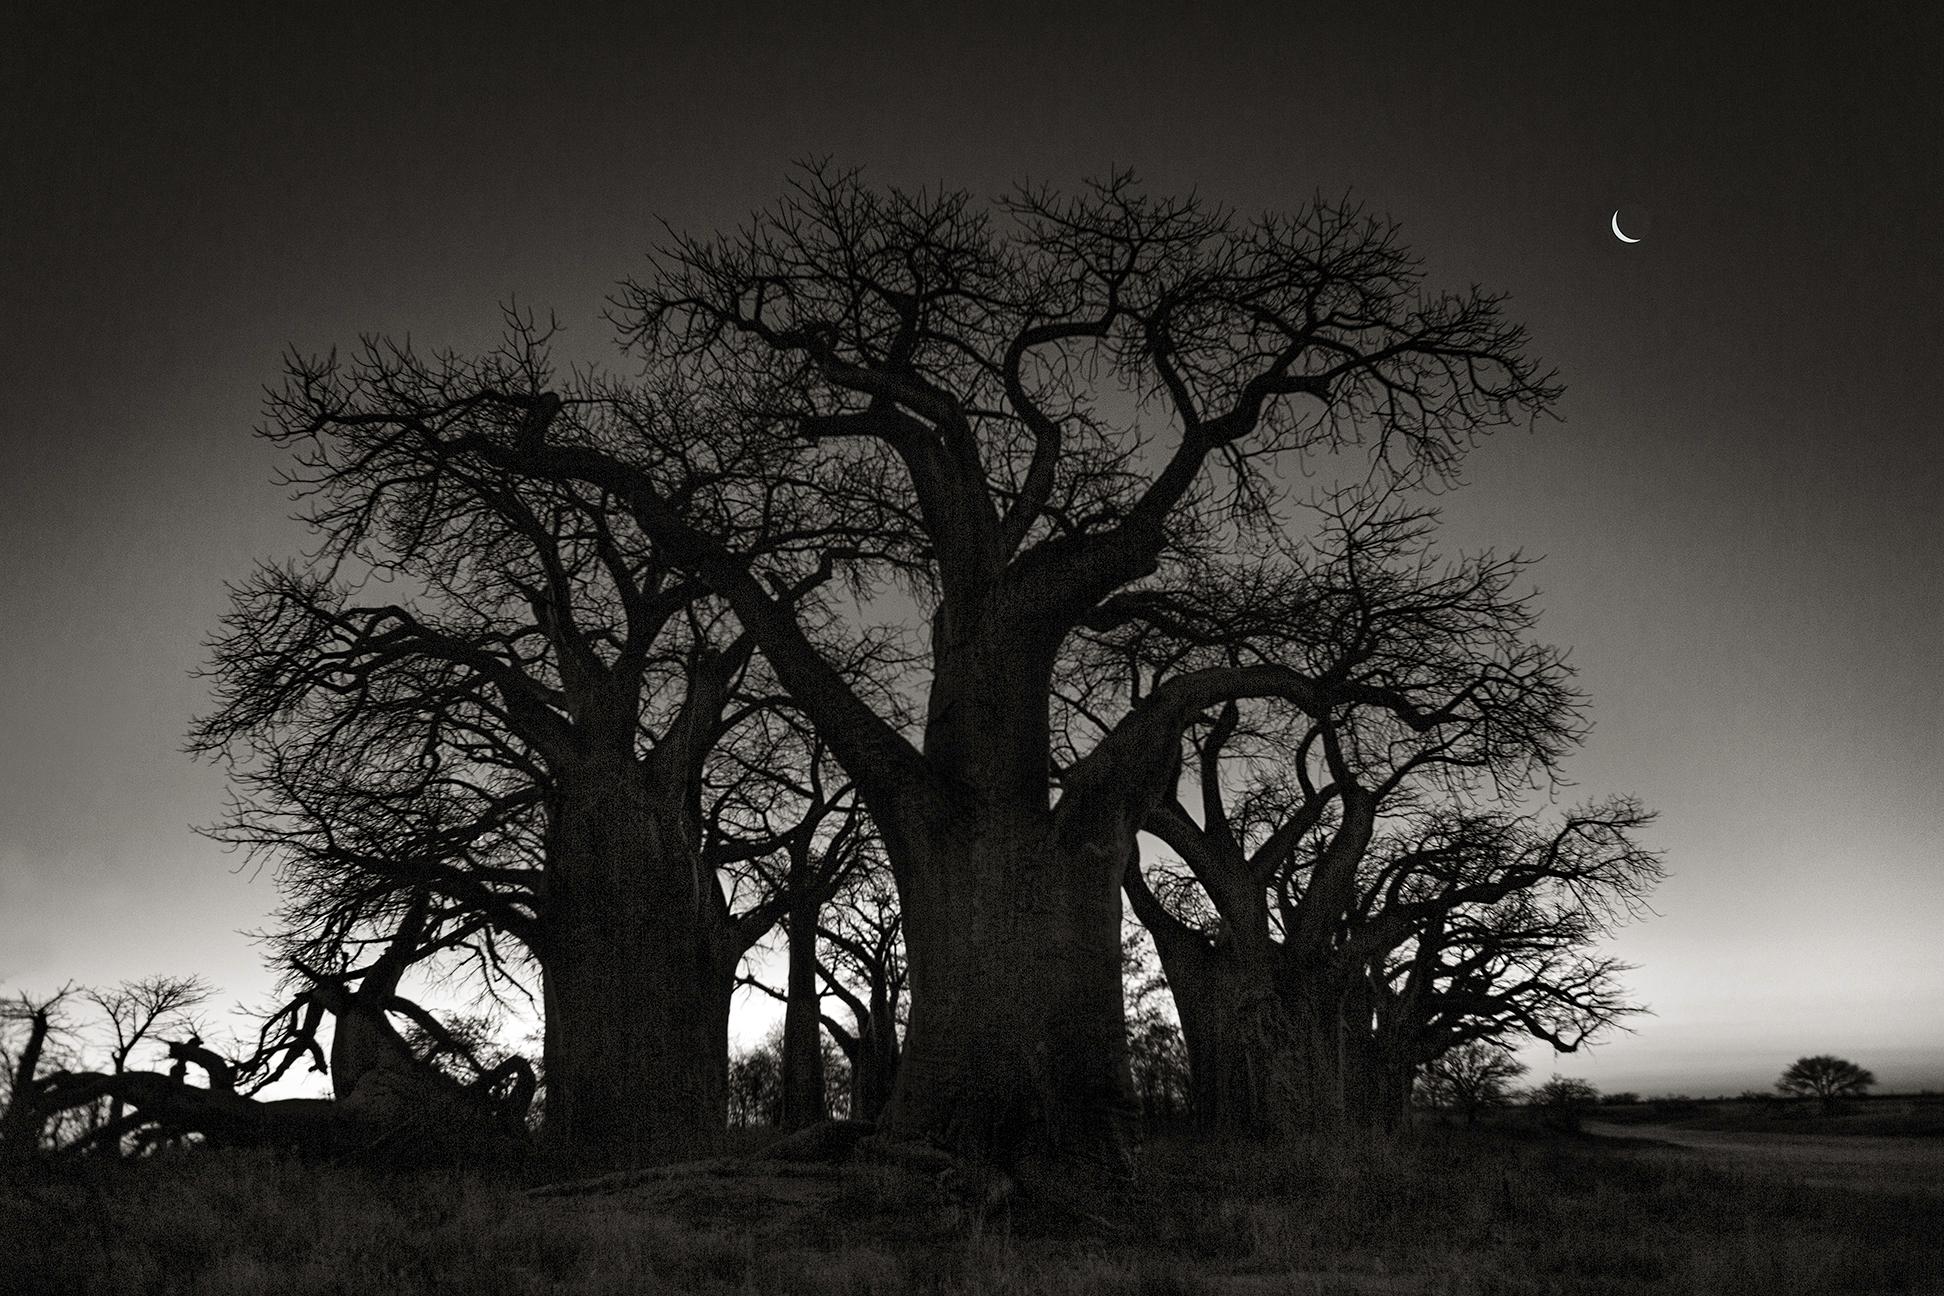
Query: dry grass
pixel 1888 1115
pixel 1495 1212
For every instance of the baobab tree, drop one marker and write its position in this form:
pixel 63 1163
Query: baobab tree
pixel 33 1031
pixel 1483 927
pixel 522 731
pixel 140 1012
pixel 863 968
pixel 1016 410
pixel 385 1093
pixel 1255 913
pixel 786 810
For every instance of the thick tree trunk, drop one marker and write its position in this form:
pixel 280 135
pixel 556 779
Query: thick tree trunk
pixel 1363 1065
pixel 21 1122
pixel 1245 1062
pixel 803 1068
pixel 1312 1015
pixel 874 1058
pixel 1395 1111
pixel 1393 1075
pixel 1372 1085
pixel 1017 1042
pixel 312 1124
pixel 631 960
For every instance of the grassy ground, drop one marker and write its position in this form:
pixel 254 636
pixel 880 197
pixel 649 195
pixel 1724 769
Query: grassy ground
pixel 1448 1212
pixel 1895 1115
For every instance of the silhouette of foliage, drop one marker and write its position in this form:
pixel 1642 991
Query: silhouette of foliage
pixel 1156 1051
pixel 1824 1077
pixel 1469 1078
pixel 1564 1100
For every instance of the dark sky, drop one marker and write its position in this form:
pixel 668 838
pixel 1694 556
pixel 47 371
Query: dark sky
pixel 1739 514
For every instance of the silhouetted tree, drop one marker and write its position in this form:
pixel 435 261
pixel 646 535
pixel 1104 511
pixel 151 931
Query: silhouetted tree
pixel 1156 1052
pixel 32 1031
pixel 864 969
pixel 1469 1078
pixel 1485 926
pixel 1564 1100
pixel 756 1083
pixel 138 1012
pixel 387 1094
pixel 1261 918
pixel 805 834
pixel 1018 411
pixel 1824 1077
pixel 756 1087
pixel 523 733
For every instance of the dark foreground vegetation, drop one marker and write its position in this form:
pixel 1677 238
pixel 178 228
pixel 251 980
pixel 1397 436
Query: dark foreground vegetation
pixel 1504 1210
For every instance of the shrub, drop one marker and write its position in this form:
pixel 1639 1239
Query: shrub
pixel 1563 1100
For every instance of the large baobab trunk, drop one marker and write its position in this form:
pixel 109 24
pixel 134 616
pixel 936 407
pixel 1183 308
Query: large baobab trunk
pixel 803 1069
pixel 1313 1012
pixel 634 983
pixel 1246 1068
pixel 1017 1042
pixel 1391 1109
pixel 1379 1068
pixel 1363 1077
pixel 1015 1038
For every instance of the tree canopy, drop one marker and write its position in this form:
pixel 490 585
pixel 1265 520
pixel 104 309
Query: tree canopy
pixel 1825 1077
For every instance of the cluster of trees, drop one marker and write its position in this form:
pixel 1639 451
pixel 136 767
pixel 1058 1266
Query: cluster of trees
pixel 1480 1074
pixel 945 572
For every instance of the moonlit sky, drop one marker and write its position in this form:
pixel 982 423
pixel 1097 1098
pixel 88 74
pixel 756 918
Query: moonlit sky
pixel 1739 515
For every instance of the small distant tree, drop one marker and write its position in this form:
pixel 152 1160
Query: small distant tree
pixel 1469 1078
pixel 138 1012
pixel 1157 1053
pixel 863 967
pixel 756 1084
pixel 1824 1077
pixel 33 1032
pixel 1564 1100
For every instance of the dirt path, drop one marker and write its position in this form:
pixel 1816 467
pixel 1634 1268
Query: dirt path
pixel 1844 1158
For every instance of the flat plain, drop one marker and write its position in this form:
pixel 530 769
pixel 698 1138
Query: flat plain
pixel 1511 1208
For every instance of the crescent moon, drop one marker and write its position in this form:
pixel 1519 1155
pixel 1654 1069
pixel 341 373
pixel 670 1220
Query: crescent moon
pixel 1616 229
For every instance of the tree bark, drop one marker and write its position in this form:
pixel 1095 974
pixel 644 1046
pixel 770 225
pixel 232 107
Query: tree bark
pixel 1245 1063
pixel 1017 1042
pixel 632 957
pixel 1318 1062
pixel 874 1071
pixel 803 1068
pixel 872 1051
